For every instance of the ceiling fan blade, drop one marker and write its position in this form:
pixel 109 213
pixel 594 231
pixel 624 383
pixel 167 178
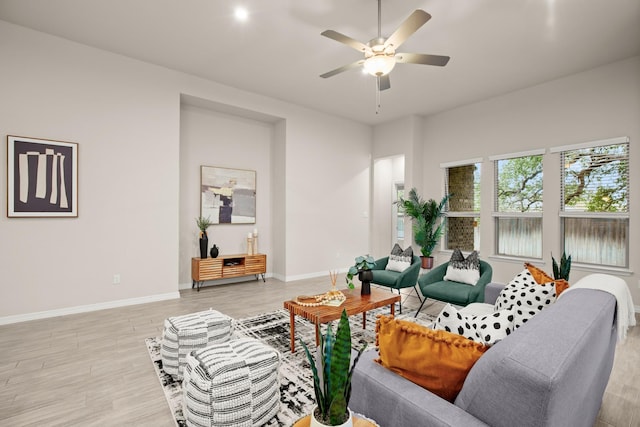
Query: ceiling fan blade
pixel 341 69
pixel 383 82
pixel 339 37
pixel 410 25
pixel 421 58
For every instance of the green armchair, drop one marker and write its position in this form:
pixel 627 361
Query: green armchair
pixel 432 285
pixel 396 280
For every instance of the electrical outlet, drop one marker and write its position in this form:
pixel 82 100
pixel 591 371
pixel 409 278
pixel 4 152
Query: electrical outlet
pixel 116 279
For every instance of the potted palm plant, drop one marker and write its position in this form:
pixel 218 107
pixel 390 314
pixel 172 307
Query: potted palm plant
pixel 428 222
pixel 333 393
pixel 362 267
pixel 203 223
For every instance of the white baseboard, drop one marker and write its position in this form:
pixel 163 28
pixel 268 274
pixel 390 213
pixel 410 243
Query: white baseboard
pixel 279 277
pixel 86 308
pixel 312 275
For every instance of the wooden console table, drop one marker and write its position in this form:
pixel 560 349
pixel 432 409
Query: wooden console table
pixel 227 266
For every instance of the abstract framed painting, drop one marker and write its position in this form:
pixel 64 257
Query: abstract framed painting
pixel 42 178
pixel 228 196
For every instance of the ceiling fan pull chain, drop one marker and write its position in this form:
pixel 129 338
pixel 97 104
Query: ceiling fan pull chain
pixel 377 94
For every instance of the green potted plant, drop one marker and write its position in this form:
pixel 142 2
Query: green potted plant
pixel 203 223
pixel 332 394
pixel 428 222
pixel 562 271
pixel 362 267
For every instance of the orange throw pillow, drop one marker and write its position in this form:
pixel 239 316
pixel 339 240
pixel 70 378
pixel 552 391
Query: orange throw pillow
pixel 541 278
pixel 436 360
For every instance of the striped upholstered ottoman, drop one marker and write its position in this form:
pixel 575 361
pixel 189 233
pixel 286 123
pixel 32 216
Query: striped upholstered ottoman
pixel 234 384
pixel 183 334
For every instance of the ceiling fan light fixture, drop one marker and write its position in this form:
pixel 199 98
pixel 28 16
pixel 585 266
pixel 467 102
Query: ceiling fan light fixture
pixel 379 64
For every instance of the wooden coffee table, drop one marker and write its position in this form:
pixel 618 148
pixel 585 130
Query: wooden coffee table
pixel 354 304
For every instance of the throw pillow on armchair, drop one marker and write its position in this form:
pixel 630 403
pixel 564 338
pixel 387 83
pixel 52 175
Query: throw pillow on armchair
pixel 399 259
pixel 463 270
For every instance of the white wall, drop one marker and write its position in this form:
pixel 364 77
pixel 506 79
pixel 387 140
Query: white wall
pixel 125 116
pixel 278 252
pixel 597 104
pixel 327 192
pixel 387 172
pixel 212 138
pixel 404 138
pixel 125 120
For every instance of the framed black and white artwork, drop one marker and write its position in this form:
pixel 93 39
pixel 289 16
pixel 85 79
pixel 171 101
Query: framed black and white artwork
pixel 228 196
pixel 42 178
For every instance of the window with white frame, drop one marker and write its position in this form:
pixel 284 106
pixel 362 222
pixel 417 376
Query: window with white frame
pixel 462 183
pixel 594 211
pixel 518 204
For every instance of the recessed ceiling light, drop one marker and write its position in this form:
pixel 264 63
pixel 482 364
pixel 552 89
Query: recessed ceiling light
pixel 241 13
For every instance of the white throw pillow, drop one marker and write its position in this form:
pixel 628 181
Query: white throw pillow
pixel 495 327
pixel 509 294
pixel 525 297
pixel 397 265
pixel 400 259
pixel 452 321
pixel 487 329
pixel 463 270
pixel 532 300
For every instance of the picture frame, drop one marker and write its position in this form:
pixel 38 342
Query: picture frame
pixel 42 178
pixel 228 196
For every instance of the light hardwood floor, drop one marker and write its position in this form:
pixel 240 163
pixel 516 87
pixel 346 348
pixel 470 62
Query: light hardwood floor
pixel 93 369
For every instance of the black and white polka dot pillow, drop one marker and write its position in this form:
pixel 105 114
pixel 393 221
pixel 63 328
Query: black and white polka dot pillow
pixel 512 292
pixel 487 329
pixel 494 327
pixel 452 321
pixel 531 301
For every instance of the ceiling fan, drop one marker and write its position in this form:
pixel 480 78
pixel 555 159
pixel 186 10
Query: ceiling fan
pixel 380 54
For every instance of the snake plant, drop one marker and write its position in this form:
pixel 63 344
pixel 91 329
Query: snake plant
pixel 562 271
pixel 332 395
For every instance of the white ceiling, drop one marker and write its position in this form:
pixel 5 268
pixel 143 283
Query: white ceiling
pixel 496 46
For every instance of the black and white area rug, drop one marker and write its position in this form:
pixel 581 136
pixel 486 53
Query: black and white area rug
pixel 296 382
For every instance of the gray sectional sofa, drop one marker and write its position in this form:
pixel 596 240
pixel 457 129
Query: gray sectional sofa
pixel 552 371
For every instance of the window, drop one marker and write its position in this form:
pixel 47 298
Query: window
pixel 595 202
pixel 518 204
pixel 463 216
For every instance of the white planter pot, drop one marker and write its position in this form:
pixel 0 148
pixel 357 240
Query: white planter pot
pixel 316 423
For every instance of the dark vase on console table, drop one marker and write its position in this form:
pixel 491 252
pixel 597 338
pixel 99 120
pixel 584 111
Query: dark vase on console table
pixel 214 251
pixel 204 245
pixel 365 276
